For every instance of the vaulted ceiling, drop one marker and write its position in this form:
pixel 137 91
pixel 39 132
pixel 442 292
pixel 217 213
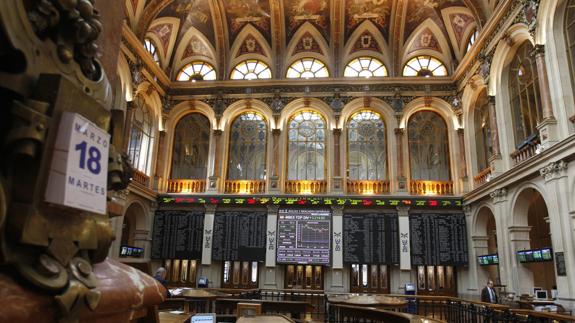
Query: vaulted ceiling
pixel 225 32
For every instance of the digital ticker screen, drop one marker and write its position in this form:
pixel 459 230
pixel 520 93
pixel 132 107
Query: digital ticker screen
pixel 304 237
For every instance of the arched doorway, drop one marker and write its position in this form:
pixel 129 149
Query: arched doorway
pixel 131 245
pixel 532 234
pixel 485 245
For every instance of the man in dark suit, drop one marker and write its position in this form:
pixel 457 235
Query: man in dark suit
pixel 488 294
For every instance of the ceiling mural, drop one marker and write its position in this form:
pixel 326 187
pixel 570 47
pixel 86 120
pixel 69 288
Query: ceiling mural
pixel 425 40
pixel 250 46
pixel 366 42
pixel 459 23
pixel 298 12
pixel 420 10
pixel 196 48
pixel 163 32
pixel 376 11
pixel 239 13
pixel 192 13
pixel 307 44
pixel 363 25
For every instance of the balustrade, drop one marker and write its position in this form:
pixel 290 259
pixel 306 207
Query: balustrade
pixel 483 177
pixel 367 187
pixel 141 178
pixel 418 187
pixel 186 186
pixel 245 187
pixel 528 150
pixel 305 187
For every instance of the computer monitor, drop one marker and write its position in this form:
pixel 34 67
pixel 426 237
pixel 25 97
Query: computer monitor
pixel 541 294
pixel 409 287
pixel 535 290
pixel 204 318
pixel 203 282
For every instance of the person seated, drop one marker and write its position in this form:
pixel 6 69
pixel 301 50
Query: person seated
pixel 160 276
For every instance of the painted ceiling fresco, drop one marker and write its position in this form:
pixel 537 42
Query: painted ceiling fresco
pixel 420 10
pixel 192 13
pixel 298 12
pixel 356 25
pixel 376 11
pixel 239 13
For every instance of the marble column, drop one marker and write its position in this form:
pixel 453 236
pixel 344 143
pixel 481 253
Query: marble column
pixel 337 181
pixel 401 181
pixel 213 180
pixel 463 163
pixel 506 255
pixel 561 224
pixel 547 126
pixel 275 163
pixel 522 277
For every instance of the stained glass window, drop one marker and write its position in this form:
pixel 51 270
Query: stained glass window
pixel 424 66
pixel 197 71
pixel 365 67
pixel 151 48
pixel 307 68
pixel 251 69
pixel 141 137
pixel 524 93
pixel 191 147
pixel 306 146
pixel 428 147
pixel 367 153
pixel 483 144
pixel 247 157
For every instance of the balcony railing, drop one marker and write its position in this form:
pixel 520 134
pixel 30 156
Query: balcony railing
pixel 305 187
pixel 245 187
pixel 186 186
pixel 528 149
pixel 418 187
pixel 367 187
pixel 141 178
pixel 483 177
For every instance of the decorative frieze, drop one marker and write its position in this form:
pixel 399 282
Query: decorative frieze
pixel 554 170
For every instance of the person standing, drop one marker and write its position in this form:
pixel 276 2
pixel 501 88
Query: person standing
pixel 488 294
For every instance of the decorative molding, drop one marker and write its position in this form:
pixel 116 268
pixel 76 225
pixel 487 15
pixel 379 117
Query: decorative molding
pixel 499 195
pixel 554 170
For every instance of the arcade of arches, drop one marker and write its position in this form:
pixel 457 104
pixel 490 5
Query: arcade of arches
pixel 453 110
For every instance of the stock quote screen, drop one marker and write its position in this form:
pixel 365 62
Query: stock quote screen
pixel 304 237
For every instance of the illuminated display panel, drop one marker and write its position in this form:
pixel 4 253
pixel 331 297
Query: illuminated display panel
pixel 304 236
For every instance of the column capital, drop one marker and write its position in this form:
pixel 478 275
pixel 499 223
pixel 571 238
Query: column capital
pixel 273 209
pixel 491 99
pixel 276 132
pixel 336 131
pixel 217 132
pixel 554 170
pixel 499 195
pixel 460 131
pixel 210 208
pixel 337 210
pixel 402 210
pixel 538 50
pixel 399 131
pixel 467 209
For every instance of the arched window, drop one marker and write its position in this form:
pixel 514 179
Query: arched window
pixel 307 68
pixel 472 40
pixel 424 66
pixel 141 137
pixel 570 37
pixel 197 71
pixel 306 146
pixel 191 147
pixel 365 67
pixel 524 94
pixel 247 148
pixel 483 144
pixel 428 147
pixel 251 69
pixel 151 48
pixel 367 153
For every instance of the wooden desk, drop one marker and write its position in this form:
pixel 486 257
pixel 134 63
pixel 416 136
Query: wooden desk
pixel 200 301
pixel 379 301
pixel 167 317
pixel 265 319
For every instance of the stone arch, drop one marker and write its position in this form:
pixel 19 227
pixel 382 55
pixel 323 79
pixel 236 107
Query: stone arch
pixel 235 58
pixel 307 27
pixel 384 56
